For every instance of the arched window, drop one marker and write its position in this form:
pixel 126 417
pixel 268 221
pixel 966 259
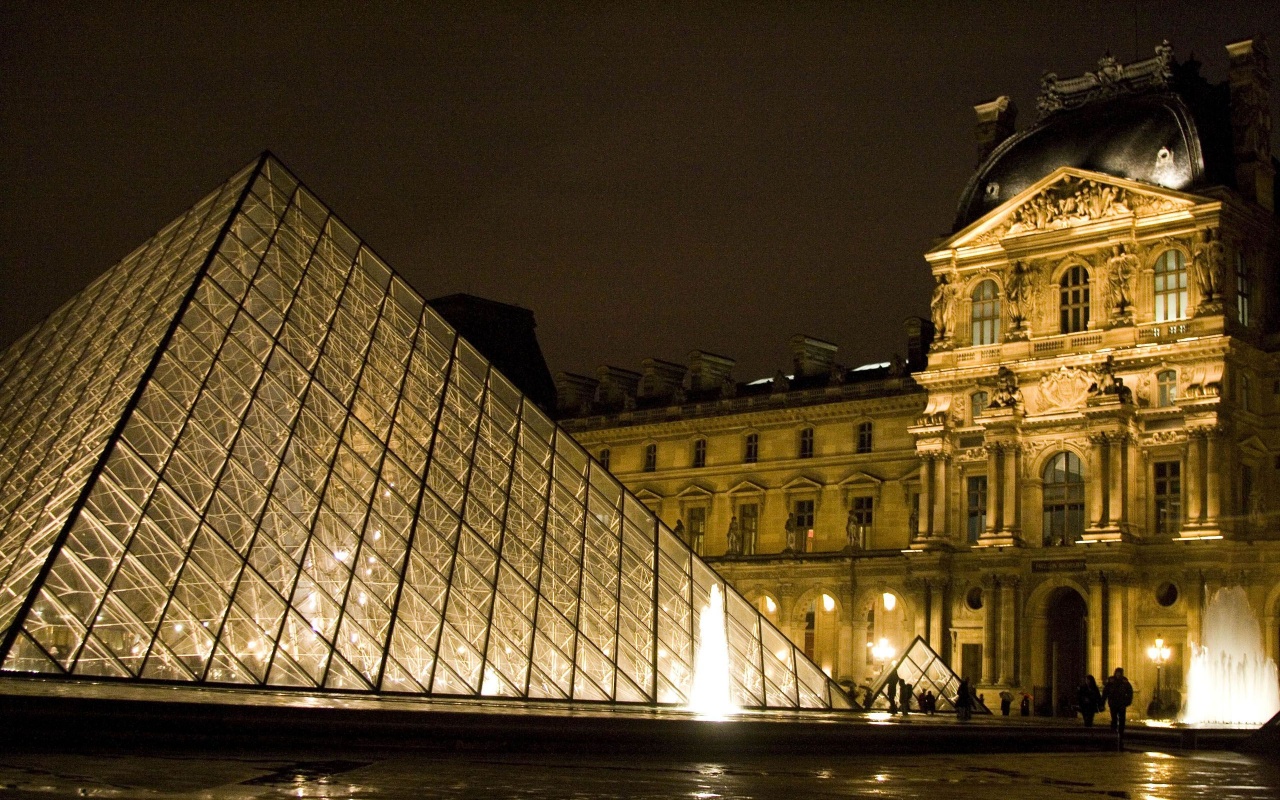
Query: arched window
pixel 605 455
pixel 699 453
pixel 1244 288
pixel 806 443
pixel 986 313
pixel 1063 499
pixel 1166 388
pixel 650 458
pixel 1171 286
pixel 864 437
pixel 751 448
pixel 1075 300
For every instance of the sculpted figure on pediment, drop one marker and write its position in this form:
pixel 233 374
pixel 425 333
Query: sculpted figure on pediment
pixel 1006 393
pixel 1207 261
pixel 1064 389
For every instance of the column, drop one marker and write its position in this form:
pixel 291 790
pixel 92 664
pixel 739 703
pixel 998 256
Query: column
pixel 1012 496
pixel 1213 477
pixel 1094 481
pixel 937 623
pixel 940 497
pixel 1120 481
pixel 925 515
pixel 1008 630
pixel 1193 483
pixel 1118 623
pixel 1097 630
pixel 990 637
pixel 993 481
pixel 1105 482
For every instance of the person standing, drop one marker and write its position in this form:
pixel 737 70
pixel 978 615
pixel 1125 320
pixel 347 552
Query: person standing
pixel 904 697
pixel 964 701
pixel 1118 695
pixel 1089 699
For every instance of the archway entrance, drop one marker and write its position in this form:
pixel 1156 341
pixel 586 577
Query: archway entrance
pixel 1065 649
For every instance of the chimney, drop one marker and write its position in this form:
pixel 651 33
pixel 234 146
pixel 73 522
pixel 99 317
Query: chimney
pixel 574 394
pixel 662 379
pixel 709 371
pixel 810 356
pixel 1251 120
pixel 920 333
pixel 995 124
pixel 617 387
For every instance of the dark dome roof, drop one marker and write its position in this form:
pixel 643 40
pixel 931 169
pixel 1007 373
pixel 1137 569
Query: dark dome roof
pixel 1151 138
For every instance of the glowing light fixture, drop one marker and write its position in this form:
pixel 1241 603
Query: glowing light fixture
pixel 890 601
pixel 828 602
pixel 882 651
pixel 770 606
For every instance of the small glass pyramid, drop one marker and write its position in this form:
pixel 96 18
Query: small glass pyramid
pixel 249 454
pixel 922 667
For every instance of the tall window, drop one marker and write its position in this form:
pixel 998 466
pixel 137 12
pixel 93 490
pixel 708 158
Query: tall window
pixel 1168 475
pixel 699 453
pixel 864 437
pixel 650 458
pixel 978 402
pixel 810 631
pixel 1171 286
pixel 1075 300
pixel 697 528
pixel 1166 388
pixel 605 455
pixel 976 508
pixel 1244 288
pixel 1063 499
pixel 749 524
pixel 986 313
pixel 751 448
pixel 1246 393
pixel 863 511
pixel 804 523
pixel 806 443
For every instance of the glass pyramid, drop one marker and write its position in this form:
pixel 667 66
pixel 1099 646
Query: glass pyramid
pixel 922 667
pixel 249 454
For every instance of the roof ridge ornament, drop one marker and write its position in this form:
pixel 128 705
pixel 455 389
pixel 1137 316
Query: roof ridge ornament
pixel 1112 78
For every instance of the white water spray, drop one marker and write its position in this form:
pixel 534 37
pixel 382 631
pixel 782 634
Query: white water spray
pixel 710 694
pixel 1231 680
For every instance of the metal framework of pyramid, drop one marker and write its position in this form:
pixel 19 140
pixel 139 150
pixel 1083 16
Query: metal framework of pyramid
pixel 922 667
pixel 249 454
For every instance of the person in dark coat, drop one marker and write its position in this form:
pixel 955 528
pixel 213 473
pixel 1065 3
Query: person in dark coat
pixel 964 701
pixel 1089 699
pixel 904 697
pixel 891 691
pixel 1118 695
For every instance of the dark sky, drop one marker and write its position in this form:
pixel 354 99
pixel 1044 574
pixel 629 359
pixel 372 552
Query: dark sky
pixel 647 178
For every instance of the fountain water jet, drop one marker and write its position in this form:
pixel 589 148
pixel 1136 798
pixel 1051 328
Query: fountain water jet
pixel 1231 680
pixel 710 694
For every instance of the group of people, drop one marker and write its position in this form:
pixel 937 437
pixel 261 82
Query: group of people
pixel 1116 695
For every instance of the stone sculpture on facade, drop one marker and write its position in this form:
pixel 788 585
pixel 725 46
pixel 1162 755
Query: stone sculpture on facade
pixel 943 306
pixel 1018 290
pixel 734 537
pixel 1207 260
pixel 1108 384
pixel 1121 267
pixel 793 534
pixel 1006 393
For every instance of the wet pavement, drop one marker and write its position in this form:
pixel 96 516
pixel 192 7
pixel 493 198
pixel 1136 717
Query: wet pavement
pixel 391 776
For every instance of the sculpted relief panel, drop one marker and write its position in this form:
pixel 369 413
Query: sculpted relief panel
pixel 1077 201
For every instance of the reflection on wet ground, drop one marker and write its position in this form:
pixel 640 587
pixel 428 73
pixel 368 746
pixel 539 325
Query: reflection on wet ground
pixel 1043 776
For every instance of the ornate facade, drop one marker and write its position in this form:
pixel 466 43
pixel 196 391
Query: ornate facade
pixel 1088 450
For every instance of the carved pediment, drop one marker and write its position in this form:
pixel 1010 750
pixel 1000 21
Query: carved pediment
pixel 1064 389
pixel 1068 198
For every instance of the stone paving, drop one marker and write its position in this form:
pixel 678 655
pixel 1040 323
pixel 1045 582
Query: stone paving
pixel 391 776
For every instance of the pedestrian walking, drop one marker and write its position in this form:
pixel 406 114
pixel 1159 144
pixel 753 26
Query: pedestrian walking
pixel 1089 699
pixel 1118 694
pixel 964 701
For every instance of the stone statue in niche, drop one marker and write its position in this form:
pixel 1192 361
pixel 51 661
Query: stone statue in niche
pixel 854 533
pixel 1110 384
pixel 943 305
pixel 1006 393
pixel 679 531
pixel 1019 291
pixel 1121 267
pixel 734 537
pixel 1207 260
pixel 793 534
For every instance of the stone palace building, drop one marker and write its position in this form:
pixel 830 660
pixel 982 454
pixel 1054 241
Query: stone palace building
pixel 1082 444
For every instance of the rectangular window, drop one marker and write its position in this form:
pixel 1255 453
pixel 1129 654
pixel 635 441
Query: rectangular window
pixel 864 437
pixel 697 525
pixel 1166 388
pixel 976 490
pixel 863 511
pixel 751 448
pixel 650 458
pixel 806 443
pixel 804 524
pixel 749 525
pixel 1168 475
pixel 700 453
pixel 604 458
pixel 1244 289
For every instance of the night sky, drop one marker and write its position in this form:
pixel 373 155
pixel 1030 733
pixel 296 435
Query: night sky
pixel 647 178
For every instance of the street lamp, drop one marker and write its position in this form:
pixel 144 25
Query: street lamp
pixel 1159 654
pixel 882 651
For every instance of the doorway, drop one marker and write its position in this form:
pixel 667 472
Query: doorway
pixel 1065 650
